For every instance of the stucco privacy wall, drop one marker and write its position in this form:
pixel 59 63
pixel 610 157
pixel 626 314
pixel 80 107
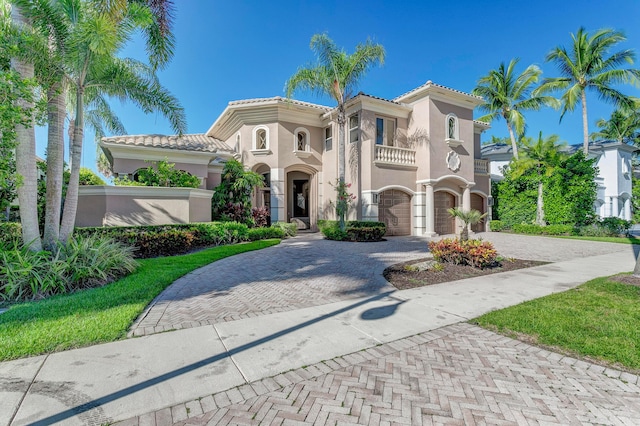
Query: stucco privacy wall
pixel 131 205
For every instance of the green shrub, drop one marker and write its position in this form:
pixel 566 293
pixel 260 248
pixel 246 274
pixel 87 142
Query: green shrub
pixel 10 232
pixel 83 262
pixel 476 253
pixel 289 229
pixel 616 225
pixel 354 230
pixel 533 229
pixel 496 225
pixel 558 230
pixel 255 234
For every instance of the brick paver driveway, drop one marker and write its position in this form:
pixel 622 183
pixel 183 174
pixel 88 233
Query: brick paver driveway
pixel 309 270
pixel 459 374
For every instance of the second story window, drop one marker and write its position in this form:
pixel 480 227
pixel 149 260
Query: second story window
pixel 452 127
pixel 354 128
pixel 328 139
pixel 301 140
pixel 385 131
pixel 261 138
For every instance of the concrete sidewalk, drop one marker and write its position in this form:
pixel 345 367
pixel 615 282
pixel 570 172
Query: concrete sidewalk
pixel 116 381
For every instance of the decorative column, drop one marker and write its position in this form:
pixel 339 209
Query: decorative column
pixel 277 195
pixel 430 211
pixel 419 211
pixel 466 198
pixel 627 209
pixel 615 211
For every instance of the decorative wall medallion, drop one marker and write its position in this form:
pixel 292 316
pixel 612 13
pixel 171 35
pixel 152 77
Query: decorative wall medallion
pixel 453 161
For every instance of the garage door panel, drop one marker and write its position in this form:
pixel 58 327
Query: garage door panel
pixel 394 209
pixel 444 223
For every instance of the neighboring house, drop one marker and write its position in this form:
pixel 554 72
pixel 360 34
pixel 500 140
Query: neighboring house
pixel 614 173
pixel 408 159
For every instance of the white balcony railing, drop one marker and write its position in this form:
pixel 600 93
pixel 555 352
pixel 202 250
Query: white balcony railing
pixel 481 166
pixel 394 155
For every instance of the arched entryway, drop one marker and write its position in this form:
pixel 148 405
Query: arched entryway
pixel 444 223
pixel 299 203
pixel 478 203
pixel 394 209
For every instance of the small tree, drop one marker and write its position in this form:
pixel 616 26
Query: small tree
pixel 470 217
pixel 232 198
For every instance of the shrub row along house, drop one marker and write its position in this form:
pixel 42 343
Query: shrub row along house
pixel 614 180
pixel 408 159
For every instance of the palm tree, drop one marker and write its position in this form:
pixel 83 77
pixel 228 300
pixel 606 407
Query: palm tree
pixel 543 155
pixel 337 75
pixel 589 65
pixel 623 126
pixel 82 43
pixel 470 217
pixel 507 95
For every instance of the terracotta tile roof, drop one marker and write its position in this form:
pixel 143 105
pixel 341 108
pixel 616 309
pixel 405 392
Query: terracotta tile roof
pixel 278 98
pixel 194 142
pixel 377 97
pixel 431 83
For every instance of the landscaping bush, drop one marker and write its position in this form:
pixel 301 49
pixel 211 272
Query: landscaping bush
pixel 607 227
pixel 532 229
pixel 10 232
pixel 260 216
pixel 362 231
pixel 496 225
pixel 83 262
pixel 168 240
pixel 265 233
pixel 476 253
pixel 289 229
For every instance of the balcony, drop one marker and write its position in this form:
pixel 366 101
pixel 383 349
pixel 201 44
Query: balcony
pixel 393 156
pixel 481 167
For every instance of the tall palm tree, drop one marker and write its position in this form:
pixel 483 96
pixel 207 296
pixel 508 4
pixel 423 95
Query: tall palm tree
pixel 623 126
pixel 83 41
pixel 508 95
pixel 336 74
pixel 590 65
pixel 543 155
pixel 95 70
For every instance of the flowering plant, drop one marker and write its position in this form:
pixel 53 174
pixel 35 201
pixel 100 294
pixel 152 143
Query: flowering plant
pixel 343 200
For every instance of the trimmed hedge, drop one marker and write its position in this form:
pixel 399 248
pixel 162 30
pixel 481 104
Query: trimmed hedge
pixel 496 225
pixel 531 229
pixel 169 240
pixel 361 231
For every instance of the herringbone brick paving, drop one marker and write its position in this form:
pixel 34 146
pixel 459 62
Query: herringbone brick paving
pixel 308 271
pixel 457 375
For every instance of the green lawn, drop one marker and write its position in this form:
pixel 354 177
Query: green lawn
pixel 102 314
pixel 599 319
pixel 622 240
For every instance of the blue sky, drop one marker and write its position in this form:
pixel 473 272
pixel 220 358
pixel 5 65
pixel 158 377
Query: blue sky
pixel 230 50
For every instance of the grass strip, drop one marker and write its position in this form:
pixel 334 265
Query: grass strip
pixel 101 314
pixel 598 319
pixel 621 240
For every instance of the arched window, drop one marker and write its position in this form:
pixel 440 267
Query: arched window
pixel 236 148
pixel 261 139
pixel 301 140
pixel 452 130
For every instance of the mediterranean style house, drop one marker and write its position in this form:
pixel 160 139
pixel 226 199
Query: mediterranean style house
pixel 408 159
pixel 613 160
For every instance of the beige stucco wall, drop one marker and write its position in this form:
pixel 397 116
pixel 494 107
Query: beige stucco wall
pixel 128 205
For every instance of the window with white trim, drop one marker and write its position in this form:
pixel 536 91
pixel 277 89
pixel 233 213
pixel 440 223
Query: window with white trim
pixel 261 138
pixel 385 131
pixel 301 140
pixel 328 139
pixel 354 128
pixel 452 127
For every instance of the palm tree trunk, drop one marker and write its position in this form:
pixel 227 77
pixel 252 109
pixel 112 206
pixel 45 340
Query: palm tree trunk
pixel 540 206
pixel 71 199
pixel 341 155
pixel 585 123
pixel 55 165
pixel 26 159
pixel 514 145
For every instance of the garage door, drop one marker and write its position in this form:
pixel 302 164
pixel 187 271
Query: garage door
pixel 394 209
pixel 477 203
pixel 444 223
